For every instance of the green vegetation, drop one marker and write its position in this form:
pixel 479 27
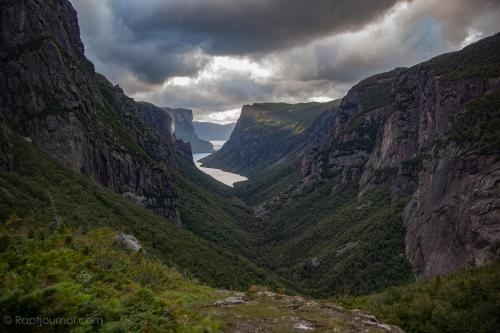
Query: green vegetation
pixel 357 241
pixel 467 302
pixel 126 127
pixel 479 60
pixel 269 184
pixel 39 186
pixel 478 125
pixel 62 273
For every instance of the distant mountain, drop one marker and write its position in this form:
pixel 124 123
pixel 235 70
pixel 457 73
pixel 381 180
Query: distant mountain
pixel 183 129
pixel 268 132
pixel 213 131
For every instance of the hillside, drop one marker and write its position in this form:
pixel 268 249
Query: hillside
pixel 212 131
pixel 34 185
pixel 464 302
pixel 265 136
pixel 184 129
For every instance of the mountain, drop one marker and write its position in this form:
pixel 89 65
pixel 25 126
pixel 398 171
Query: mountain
pixel 409 169
pixel 212 131
pixel 265 134
pixel 183 128
pixel 429 133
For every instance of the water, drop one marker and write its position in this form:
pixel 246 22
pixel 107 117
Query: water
pixel 225 177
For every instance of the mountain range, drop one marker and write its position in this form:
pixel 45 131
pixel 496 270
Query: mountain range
pixel 387 199
pixel 212 131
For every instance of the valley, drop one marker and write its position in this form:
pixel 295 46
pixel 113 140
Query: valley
pixel 375 212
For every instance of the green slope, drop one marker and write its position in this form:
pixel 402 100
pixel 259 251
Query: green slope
pixel 33 184
pixel 89 278
pixel 467 302
pixel 357 241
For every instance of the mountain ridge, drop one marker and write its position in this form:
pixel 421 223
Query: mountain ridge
pixel 213 131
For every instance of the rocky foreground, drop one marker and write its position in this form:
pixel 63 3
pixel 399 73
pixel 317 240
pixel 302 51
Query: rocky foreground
pixel 266 311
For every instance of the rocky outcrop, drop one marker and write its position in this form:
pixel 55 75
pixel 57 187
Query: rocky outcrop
pixel 50 93
pixel 424 133
pixel 284 313
pixel 183 128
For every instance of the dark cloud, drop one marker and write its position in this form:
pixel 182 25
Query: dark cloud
pixel 245 26
pixel 150 64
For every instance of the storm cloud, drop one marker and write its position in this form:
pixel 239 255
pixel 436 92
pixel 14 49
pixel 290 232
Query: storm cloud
pixel 228 27
pixel 215 55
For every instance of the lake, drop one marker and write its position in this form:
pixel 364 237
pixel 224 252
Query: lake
pixel 225 177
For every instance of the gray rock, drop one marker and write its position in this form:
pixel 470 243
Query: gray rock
pixel 130 242
pixel 230 301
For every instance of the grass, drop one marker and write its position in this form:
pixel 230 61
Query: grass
pixel 479 60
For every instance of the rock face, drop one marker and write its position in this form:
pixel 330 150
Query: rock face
pixel 270 134
pixel 160 120
pixel 50 93
pixel 183 128
pixel 427 132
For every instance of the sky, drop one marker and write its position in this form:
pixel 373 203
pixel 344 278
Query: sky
pixel 214 56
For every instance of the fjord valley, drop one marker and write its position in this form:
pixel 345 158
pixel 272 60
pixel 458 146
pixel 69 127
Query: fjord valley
pixel 375 212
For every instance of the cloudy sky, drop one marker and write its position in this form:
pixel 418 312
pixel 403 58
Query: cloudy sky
pixel 214 56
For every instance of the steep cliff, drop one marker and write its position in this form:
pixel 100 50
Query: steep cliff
pixel 269 135
pixel 160 120
pixel 429 133
pixel 50 93
pixel 183 128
